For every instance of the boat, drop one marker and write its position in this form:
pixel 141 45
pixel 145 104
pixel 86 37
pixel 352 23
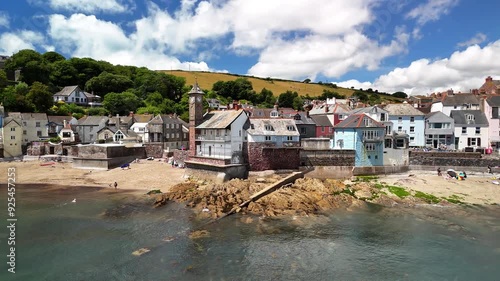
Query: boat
pixel 47 163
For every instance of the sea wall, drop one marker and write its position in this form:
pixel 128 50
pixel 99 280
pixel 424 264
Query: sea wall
pixel 262 156
pixel 216 173
pixel 313 158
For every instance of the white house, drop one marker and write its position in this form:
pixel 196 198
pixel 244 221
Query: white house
pixel 221 135
pixel 73 94
pixel 459 102
pixel 279 132
pixel 35 126
pixel 471 129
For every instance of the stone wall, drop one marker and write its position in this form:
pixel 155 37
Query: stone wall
pixel 217 174
pixel 315 144
pixel 154 150
pixel 436 154
pixel 207 160
pixel 327 157
pixel 262 156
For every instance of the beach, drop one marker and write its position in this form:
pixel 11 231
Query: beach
pixel 477 188
pixel 142 176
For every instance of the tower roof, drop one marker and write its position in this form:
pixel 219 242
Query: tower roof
pixel 196 89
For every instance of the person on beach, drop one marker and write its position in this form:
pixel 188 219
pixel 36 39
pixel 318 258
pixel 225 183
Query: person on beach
pixel 439 171
pixel 489 169
pixel 115 184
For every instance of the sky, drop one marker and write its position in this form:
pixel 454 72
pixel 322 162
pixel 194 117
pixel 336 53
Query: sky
pixel 415 46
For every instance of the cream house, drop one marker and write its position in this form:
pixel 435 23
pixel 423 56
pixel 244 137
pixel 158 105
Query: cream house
pixel 12 132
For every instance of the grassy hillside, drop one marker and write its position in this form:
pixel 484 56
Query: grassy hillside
pixel 277 86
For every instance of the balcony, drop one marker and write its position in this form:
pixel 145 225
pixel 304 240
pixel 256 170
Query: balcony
pixel 213 138
pixel 373 139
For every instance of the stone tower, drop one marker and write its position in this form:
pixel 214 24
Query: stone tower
pixel 195 115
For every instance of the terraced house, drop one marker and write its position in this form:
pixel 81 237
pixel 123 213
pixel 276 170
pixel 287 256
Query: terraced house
pixel 408 120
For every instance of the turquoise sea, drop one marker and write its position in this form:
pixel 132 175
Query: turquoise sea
pixel 93 239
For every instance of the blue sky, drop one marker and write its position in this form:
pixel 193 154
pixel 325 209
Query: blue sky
pixel 415 46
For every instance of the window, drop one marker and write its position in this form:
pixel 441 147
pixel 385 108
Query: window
pixel 370 147
pixel 274 113
pixel 167 135
pixel 412 129
pixel 367 122
pixel 478 130
pixel 494 113
pixel 68 135
pixel 382 117
pixel 77 99
pixel 72 99
pixel 412 139
pixel 91 136
pixel 464 130
pixel 469 117
pixel 388 143
pixel 77 94
pixel 303 131
pixel 268 138
pixel 65 98
pixel 118 136
pixel 290 128
pixel 12 137
pixel 400 129
pixel 473 141
pixel 268 127
pixel 37 124
pixel 38 133
pixel 412 119
pixel 400 119
pixel 141 129
pixel 322 129
pixel 177 135
pixel 24 123
pixel 167 126
pixel 13 129
pixel 239 133
pixel 24 132
pixel 437 125
pixel 289 138
pixel 370 134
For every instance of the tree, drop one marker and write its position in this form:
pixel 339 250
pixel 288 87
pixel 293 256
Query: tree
pixel 52 57
pixel 107 82
pixel 86 68
pixel 32 65
pixel 3 79
pixel 63 74
pixel 401 95
pixel 238 89
pixel 362 96
pixel 14 98
pixel 286 99
pixel 40 97
pixel 307 81
pixel 121 103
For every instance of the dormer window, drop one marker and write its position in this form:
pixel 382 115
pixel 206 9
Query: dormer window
pixel 367 122
pixel 469 117
pixel 268 128
pixel 274 113
pixel 290 128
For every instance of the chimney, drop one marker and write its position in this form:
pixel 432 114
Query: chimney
pixel 489 79
pixel 131 114
pixel 118 121
pixel 326 108
pixel 65 123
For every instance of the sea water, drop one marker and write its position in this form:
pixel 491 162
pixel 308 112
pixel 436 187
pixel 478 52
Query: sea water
pixel 94 238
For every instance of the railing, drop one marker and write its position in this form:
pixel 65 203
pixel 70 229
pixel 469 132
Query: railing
pixel 213 138
pixel 373 139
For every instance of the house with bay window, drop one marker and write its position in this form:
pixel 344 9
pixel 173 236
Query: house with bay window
pixel 439 131
pixel 365 136
pixel 471 129
pixel 406 119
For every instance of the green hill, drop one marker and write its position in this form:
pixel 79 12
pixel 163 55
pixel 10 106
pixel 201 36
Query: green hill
pixel 277 86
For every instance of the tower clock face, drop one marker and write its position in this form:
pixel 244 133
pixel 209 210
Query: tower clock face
pixel 198 98
pixel 191 99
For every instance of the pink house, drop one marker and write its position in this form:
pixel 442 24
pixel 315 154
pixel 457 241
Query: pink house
pixel 490 106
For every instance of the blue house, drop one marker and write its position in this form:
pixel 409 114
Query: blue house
pixel 408 120
pixel 363 134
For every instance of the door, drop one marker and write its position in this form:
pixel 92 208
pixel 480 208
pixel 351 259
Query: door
pixel 51 150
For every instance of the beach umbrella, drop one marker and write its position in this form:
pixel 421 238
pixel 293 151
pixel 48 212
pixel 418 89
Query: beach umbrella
pixel 452 173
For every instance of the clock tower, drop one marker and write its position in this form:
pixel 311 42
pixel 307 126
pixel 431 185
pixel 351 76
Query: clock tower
pixel 195 115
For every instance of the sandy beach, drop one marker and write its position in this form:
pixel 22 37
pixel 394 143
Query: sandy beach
pixel 148 175
pixel 143 176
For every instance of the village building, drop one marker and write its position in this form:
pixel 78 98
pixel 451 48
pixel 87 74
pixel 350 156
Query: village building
pixel 140 121
pixel 471 129
pixel 408 120
pixel 451 101
pixel 88 126
pixel 439 131
pixel 490 87
pixel 168 131
pixel 12 134
pixel 324 127
pixel 35 126
pixel 365 136
pixel 56 124
pixel 73 94
pixel 490 107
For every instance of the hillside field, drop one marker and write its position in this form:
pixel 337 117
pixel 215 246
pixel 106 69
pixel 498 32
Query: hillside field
pixel 277 86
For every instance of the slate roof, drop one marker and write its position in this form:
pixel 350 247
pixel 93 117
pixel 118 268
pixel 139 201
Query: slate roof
pixel 143 118
pixel 92 120
pixel 156 120
pixel 219 119
pixel 357 121
pixel 322 120
pixel 460 99
pixel 66 91
pixel 29 116
pixel 370 110
pixel 59 119
pixel 9 119
pixel 459 116
pixel 494 101
pixel 304 120
pixel 279 127
pixel 402 109
pixel 123 120
pixel 437 115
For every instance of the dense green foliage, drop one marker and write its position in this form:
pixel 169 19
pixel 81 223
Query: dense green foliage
pixel 123 88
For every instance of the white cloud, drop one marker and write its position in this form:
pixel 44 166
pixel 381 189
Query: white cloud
pixel 13 42
pixel 4 19
pixel 462 71
pixel 89 6
pixel 477 39
pixel 432 10
pixel 330 56
pixel 87 36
